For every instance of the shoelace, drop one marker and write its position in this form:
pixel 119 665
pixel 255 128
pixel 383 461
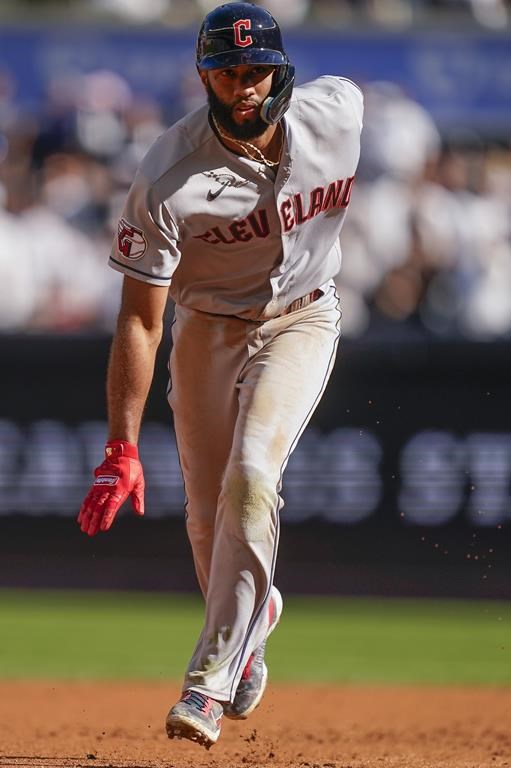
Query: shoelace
pixel 198 700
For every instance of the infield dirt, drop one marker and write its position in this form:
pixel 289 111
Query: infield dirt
pixel 55 725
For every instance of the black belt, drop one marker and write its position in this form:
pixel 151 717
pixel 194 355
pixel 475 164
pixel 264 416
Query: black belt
pixel 303 301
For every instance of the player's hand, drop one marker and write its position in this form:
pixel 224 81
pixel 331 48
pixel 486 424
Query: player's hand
pixel 119 476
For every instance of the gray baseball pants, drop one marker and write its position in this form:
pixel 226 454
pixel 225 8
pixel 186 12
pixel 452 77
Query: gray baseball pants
pixel 242 393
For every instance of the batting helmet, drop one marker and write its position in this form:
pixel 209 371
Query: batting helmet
pixel 244 33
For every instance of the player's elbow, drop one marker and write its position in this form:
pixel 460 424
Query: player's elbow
pixel 148 331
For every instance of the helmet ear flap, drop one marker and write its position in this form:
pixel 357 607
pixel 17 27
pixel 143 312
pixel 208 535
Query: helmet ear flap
pixel 277 102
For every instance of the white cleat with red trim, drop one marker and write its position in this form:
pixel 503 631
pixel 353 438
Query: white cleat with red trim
pixel 253 681
pixel 196 717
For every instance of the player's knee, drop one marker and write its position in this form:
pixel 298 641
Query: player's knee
pixel 249 500
pixel 200 527
pixel 201 509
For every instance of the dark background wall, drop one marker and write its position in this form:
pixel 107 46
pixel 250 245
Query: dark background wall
pixel 400 486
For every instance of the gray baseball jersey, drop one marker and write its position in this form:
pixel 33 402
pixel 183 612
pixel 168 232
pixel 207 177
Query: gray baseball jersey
pixel 228 236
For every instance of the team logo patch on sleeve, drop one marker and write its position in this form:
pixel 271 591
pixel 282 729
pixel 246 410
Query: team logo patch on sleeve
pixel 131 240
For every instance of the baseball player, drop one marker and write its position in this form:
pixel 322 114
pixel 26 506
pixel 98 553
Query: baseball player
pixel 235 211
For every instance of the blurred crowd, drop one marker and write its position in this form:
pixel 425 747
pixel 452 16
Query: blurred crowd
pixel 493 14
pixel 393 13
pixel 428 237
pixel 427 241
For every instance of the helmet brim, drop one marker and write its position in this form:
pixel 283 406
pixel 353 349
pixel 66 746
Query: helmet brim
pixel 236 58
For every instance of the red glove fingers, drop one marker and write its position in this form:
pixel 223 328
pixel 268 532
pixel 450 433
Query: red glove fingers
pixel 119 476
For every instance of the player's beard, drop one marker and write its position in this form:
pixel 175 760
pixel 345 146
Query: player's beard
pixel 222 112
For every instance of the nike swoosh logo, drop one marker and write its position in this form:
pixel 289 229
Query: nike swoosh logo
pixel 214 195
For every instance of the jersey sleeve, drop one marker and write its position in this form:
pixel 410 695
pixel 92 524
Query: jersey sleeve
pixel 356 98
pixel 343 94
pixel 146 246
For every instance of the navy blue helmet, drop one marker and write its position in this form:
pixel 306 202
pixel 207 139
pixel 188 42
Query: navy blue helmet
pixel 244 33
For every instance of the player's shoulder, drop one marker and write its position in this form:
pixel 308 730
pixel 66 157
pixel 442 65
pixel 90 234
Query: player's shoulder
pixel 325 86
pixel 180 143
pixel 339 92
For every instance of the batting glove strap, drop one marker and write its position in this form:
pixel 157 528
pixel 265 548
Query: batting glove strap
pixel 116 448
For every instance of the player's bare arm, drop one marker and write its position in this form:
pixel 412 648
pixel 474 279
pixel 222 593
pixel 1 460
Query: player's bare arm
pixel 131 365
pixel 130 372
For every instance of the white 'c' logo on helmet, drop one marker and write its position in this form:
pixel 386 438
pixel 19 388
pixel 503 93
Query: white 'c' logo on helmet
pixel 241 38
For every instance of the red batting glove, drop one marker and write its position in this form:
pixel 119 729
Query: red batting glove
pixel 119 476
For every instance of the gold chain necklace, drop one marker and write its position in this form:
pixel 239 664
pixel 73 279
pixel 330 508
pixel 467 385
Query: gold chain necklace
pixel 245 144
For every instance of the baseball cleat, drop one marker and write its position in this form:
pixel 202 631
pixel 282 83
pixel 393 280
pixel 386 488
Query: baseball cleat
pixel 195 717
pixel 254 678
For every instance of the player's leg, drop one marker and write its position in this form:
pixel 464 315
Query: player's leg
pixel 279 389
pixel 206 359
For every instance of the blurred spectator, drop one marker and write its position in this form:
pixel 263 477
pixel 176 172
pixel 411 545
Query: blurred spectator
pixel 288 12
pixel 399 135
pixel 104 97
pixel 490 13
pixel 137 11
pixel 19 288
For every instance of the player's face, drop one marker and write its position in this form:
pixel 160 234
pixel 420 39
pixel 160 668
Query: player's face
pixel 235 95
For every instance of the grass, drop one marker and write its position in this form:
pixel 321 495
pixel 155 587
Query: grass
pixel 85 635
